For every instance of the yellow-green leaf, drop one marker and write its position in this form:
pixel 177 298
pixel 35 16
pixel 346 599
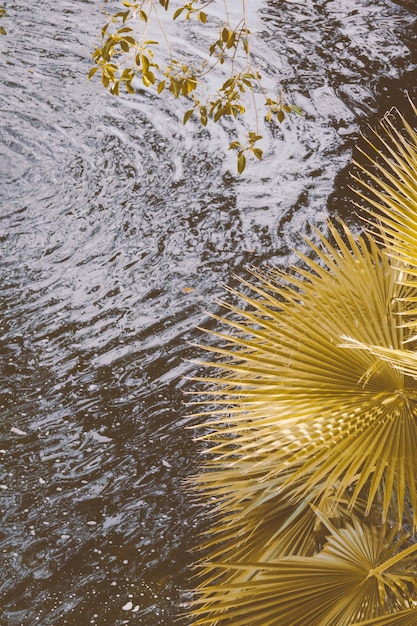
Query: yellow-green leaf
pixel 241 162
pixel 187 115
pixel 92 72
pixel 178 12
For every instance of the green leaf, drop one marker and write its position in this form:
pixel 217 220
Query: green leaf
pixel 212 48
pixel 184 87
pixel 114 89
pixel 92 72
pixel 228 83
pixel 126 16
pixel 280 116
pixel 187 115
pixel 231 42
pixel 148 78
pixel 191 84
pixel 225 34
pixel 241 162
pixel 203 115
pixel 219 113
pixel 175 87
pixel 178 12
pixel 144 63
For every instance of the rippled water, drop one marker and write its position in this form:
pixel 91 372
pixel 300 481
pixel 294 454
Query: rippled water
pixel 117 227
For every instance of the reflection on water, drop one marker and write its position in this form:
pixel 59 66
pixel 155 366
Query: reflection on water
pixel 117 228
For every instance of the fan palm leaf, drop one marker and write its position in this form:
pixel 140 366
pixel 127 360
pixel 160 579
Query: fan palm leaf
pixel 304 405
pixel 269 530
pixel 360 573
pixel 311 420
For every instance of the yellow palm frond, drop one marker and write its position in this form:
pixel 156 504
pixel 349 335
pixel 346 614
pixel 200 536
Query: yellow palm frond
pixel 360 573
pixel 304 405
pixel 311 423
pixel 402 618
pixel 265 530
pixel 404 360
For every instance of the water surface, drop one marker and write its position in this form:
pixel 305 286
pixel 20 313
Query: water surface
pixel 118 227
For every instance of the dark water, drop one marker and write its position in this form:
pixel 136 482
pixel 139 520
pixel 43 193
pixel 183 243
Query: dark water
pixel 118 227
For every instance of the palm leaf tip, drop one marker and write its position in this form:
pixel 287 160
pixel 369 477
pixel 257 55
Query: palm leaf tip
pixel 388 186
